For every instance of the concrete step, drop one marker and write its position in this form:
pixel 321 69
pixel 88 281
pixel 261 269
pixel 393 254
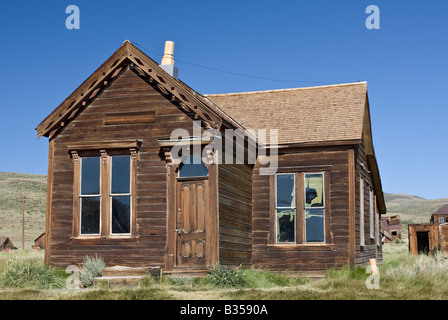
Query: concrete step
pixel 125 281
pixel 126 276
pixel 186 272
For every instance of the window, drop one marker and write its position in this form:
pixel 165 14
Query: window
pixel 104 183
pixel 285 208
pixel 120 194
pixel 441 220
pixel 371 204
pixel 90 198
pixel 192 166
pixel 361 211
pixel 377 224
pixel 314 207
pixel 300 208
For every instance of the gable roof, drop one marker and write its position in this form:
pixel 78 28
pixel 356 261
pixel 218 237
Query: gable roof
pixel 129 56
pixel 324 115
pixel 301 115
pixel 442 210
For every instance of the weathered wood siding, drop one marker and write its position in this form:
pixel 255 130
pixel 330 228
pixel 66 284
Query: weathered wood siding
pixel 235 214
pixel 128 93
pixel 370 250
pixel 303 257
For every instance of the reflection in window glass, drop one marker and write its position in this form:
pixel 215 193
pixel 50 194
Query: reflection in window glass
pixel 285 191
pixel 90 215
pixel 314 225
pixel 121 214
pixel 121 172
pixel 120 195
pixel 90 195
pixel 314 207
pixel 285 207
pixel 90 176
pixel 192 166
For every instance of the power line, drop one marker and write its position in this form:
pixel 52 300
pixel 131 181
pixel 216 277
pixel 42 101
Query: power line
pixel 236 73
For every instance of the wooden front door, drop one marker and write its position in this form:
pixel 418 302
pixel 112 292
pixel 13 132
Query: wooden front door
pixel 191 222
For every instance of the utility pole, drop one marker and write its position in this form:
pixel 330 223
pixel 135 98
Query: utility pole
pixel 23 221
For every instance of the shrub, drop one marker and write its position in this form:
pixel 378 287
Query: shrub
pixel 31 274
pixel 225 278
pixel 92 267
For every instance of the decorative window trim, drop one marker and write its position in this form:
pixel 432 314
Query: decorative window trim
pixel 105 152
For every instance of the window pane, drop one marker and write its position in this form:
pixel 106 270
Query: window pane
pixel 90 176
pixel 285 191
pixel 286 225
pixel 90 215
pixel 121 174
pixel 192 166
pixel 314 221
pixel 121 214
pixel 314 190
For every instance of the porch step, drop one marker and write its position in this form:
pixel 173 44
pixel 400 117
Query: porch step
pixel 124 281
pixel 126 276
pixel 187 272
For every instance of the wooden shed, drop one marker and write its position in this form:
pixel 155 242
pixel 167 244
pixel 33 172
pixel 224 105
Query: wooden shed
pixel 6 243
pixel 310 200
pixel 426 238
pixel 39 242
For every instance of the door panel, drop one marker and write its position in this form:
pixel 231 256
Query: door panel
pixel 191 223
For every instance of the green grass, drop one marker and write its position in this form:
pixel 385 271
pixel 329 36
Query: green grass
pixel 34 187
pixel 402 277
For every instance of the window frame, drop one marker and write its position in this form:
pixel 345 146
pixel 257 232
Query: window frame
pixel 300 223
pixel 81 197
pixel 111 195
pixel 77 154
pixel 362 239
pixel 371 212
pixel 284 208
pixel 324 191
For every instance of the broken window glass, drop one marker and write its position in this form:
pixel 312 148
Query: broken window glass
pixel 285 207
pixel 314 207
pixel 285 225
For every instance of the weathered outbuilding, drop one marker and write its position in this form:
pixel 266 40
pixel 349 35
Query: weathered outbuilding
pixel 119 187
pixel 6 244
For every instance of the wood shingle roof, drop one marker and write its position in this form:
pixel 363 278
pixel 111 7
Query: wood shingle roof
pixel 302 115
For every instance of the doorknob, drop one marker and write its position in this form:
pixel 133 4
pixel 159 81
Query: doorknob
pixel 179 231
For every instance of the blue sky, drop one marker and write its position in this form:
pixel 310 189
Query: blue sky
pixel 308 43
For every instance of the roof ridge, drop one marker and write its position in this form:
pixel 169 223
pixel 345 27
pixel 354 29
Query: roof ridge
pixel 285 90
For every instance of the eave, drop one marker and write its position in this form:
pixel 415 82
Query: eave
pixel 128 56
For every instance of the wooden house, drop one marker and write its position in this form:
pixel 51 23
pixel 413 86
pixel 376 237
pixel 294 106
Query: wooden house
pixel 390 228
pixel 117 189
pixel 6 244
pixel 429 237
pixel 39 242
pixel 440 216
